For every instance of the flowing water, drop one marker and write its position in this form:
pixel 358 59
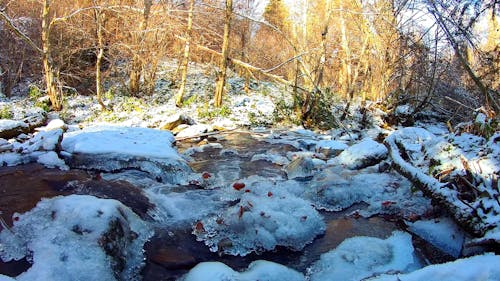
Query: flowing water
pixel 171 253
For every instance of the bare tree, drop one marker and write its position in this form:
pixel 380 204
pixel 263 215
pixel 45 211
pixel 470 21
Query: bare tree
pixel 185 57
pixel 221 75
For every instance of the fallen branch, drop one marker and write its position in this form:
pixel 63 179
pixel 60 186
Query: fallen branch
pixel 209 134
pixel 441 193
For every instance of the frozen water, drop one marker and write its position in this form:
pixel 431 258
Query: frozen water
pixel 361 257
pixel 262 216
pixel 442 233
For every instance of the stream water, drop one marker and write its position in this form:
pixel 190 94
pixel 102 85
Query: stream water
pixel 171 253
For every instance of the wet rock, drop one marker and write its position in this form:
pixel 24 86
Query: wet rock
pixel 175 120
pixel 300 167
pixel 12 128
pixel 363 154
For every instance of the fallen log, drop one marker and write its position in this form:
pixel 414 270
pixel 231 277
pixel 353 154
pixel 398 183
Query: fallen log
pixel 442 194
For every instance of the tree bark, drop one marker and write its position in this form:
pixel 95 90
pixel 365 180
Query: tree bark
pixel 221 77
pixel 51 73
pixel 185 58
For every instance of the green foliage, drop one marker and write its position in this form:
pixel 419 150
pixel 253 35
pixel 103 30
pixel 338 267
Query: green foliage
pixel 204 112
pixel 6 113
pixel 315 109
pixel 192 99
pixel 34 93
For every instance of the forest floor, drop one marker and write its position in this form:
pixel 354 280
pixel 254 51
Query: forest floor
pixel 230 194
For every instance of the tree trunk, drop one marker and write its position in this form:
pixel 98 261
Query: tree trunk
pixel 50 71
pixel 185 58
pixel 137 60
pixel 99 18
pixel 221 76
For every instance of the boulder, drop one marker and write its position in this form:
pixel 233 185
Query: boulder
pixel 12 128
pixel 363 154
pixel 194 130
pixel 175 120
pixel 330 147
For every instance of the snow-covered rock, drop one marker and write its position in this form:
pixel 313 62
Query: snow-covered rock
pixel 264 216
pixel 43 141
pixel 55 124
pixel 257 270
pixel 484 267
pixel 12 128
pixel 78 237
pixel 172 121
pixel 360 257
pixel 271 157
pixel 50 159
pixel 363 154
pixel 193 131
pixel 110 148
pixel 330 147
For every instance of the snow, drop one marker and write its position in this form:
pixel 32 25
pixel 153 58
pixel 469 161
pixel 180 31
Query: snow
pixel 50 159
pixel 12 159
pixel 361 257
pixel 265 215
pixel 271 157
pixel 77 237
pixel 257 270
pixel 112 148
pixel 442 233
pixel 6 124
pixel 333 147
pixel 363 154
pixel 483 267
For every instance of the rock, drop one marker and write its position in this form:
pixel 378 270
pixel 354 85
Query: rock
pixel 43 141
pixel 78 237
pixel 112 148
pixel 56 124
pixel 300 167
pixel 194 130
pixel 12 128
pixel 179 128
pixel 363 154
pixel 175 120
pixel 330 147
pixel 36 119
pixel 5 145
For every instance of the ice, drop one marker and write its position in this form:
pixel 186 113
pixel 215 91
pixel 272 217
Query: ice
pixel 363 154
pixel 361 257
pixel 112 148
pixel 262 216
pixel 6 278
pixel 78 237
pixel 258 270
pixel 300 168
pixel 330 147
pixel 271 157
pixel 483 267
pixel 442 233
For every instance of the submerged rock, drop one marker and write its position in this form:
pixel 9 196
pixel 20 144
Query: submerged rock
pixel 300 167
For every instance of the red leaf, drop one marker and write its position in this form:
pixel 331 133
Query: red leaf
pixel 240 213
pixel 199 227
pixel 247 190
pixel 269 194
pixel 387 203
pixel 206 175
pixel 238 185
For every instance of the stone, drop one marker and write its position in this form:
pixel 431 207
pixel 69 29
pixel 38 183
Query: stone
pixel 5 145
pixel 330 148
pixel 175 120
pixel 363 154
pixel 194 130
pixel 12 128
